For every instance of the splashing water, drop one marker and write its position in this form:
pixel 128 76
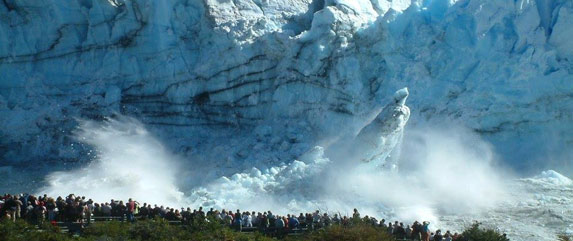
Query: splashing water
pixel 447 171
pixel 446 177
pixel 443 171
pixel 130 163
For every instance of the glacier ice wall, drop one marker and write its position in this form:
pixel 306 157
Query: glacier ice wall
pixel 208 75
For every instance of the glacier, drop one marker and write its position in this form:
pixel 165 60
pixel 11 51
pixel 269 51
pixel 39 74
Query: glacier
pixel 192 68
pixel 244 91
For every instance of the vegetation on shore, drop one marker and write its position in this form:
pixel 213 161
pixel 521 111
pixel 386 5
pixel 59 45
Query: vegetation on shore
pixel 159 229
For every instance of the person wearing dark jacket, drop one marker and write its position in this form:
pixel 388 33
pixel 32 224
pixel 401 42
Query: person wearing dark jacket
pixel 293 222
pixel 399 231
pixel 238 221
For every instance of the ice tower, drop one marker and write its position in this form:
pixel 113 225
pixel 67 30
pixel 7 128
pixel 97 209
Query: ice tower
pixel 378 141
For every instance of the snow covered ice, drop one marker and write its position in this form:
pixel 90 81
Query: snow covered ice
pixel 551 177
pixel 253 97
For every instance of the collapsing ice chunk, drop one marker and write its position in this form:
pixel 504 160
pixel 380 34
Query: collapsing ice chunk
pixel 377 144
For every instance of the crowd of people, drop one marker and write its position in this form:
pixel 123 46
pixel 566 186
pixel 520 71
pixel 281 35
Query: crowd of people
pixel 79 209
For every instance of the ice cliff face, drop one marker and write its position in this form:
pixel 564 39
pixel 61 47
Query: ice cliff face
pixel 208 75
